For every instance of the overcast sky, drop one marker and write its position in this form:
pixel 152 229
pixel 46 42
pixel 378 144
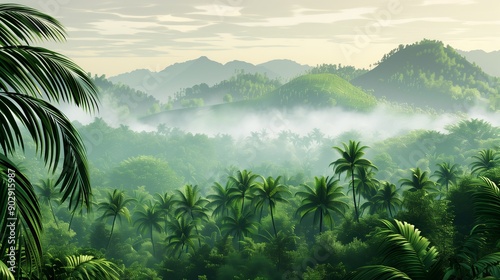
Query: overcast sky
pixel 116 36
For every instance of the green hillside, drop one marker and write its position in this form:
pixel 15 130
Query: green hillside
pixel 240 87
pixel 428 73
pixel 321 90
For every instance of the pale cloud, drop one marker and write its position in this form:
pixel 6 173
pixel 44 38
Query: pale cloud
pixel 218 10
pixel 302 16
pixel 121 27
pixel 447 2
pixel 170 18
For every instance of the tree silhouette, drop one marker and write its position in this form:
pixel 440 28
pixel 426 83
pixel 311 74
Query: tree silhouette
pixel 220 200
pixel 191 205
pixel 239 224
pixel 181 235
pixel 243 185
pixel 322 199
pixel 149 219
pixel 419 181
pixel 446 174
pixel 115 206
pixel 365 183
pixel 30 78
pixel 48 194
pixel 388 197
pixel 351 158
pixel 165 204
pixel 270 192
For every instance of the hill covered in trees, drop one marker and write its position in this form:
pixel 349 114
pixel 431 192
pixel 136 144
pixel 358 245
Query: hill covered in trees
pixel 428 73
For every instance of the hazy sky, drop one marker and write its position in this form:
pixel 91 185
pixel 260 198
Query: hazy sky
pixel 115 36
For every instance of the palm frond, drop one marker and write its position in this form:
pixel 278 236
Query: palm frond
pixel 20 25
pixel 52 134
pixel 378 272
pixel 27 211
pixel 88 268
pixel 4 272
pixel 39 72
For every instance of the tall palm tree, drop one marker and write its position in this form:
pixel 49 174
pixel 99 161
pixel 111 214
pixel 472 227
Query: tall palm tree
pixel 115 206
pixel 365 183
pixel 351 158
pixel 388 197
pixel 181 235
pixel 419 181
pixel 191 205
pixel 165 204
pixel 243 185
pixel 220 200
pixel 322 199
pixel 148 219
pixel 47 194
pixel 29 76
pixel 407 256
pixel 484 161
pixel 446 174
pixel 239 224
pixel 270 192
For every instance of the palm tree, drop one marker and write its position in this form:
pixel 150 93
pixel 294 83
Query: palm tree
pixel 29 75
pixel 191 205
pixel 324 198
pixel 165 204
pixel 47 194
pixel 270 192
pixel 365 183
pixel 243 185
pixel 182 235
pixel 446 174
pixel 419 181
pixel 149 219
pixel 388 197
pixel 484 161
pixel 239 224
pixel 407 256
pixel 115 206
pixel 351 158
pixel 220 200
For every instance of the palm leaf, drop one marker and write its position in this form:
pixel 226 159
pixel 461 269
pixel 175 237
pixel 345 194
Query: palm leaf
pixel 20 24
pixel 27 212
pixel 378 272
pixel 86 267
pixel 4 272
pixel 52 134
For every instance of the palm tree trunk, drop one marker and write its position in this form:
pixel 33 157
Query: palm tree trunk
pixel 111 234
pixel 390 212
pixel 53 215
pixel 321 222
pixel 354 196
pixel 71 220
pixel 152 241
pixel 272 220
pixel 196 228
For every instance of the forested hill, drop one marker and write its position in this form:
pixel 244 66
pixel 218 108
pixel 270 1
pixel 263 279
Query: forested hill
pixel 428 73
pixel 242 86
pixel 321 90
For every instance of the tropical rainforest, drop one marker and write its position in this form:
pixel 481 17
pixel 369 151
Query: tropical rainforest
pixel 135 193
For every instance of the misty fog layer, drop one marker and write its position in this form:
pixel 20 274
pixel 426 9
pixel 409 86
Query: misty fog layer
pixel 381 123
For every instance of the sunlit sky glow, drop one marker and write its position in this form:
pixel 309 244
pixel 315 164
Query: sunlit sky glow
pixel 116 36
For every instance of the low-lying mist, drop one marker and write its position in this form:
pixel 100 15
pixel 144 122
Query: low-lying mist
pixel 381 123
